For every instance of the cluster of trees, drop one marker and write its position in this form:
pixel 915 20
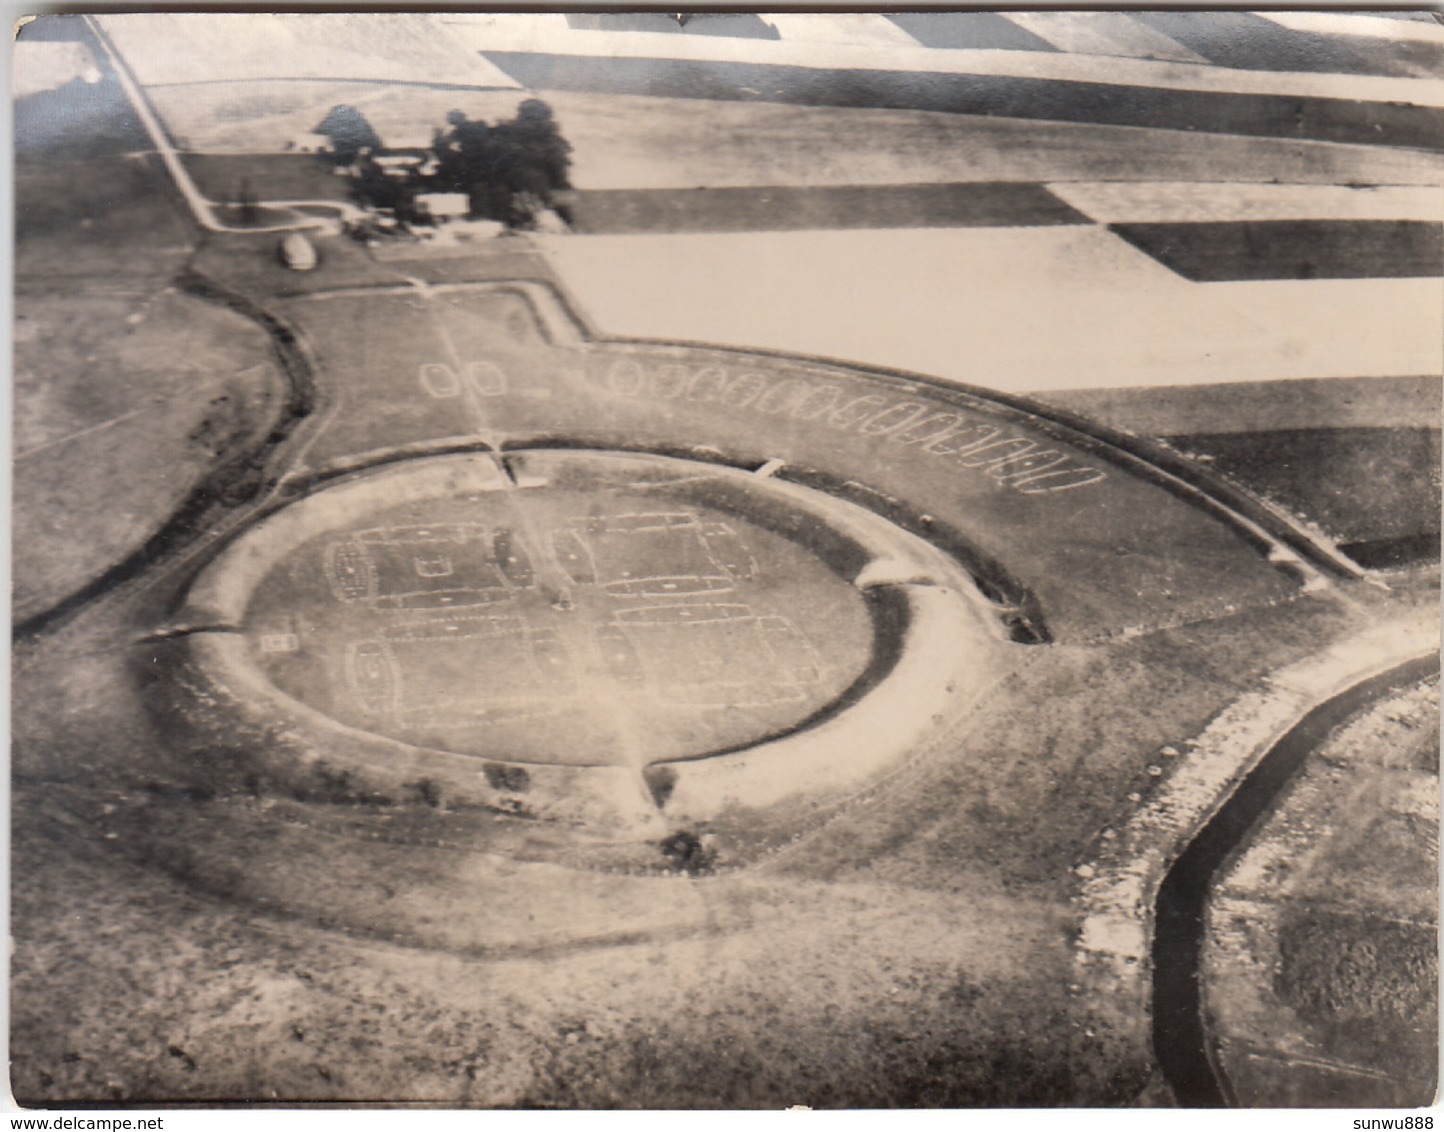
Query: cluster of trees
pixel 510 172
pixel 507 171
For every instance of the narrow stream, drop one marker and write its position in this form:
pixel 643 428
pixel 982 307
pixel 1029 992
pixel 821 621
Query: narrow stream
pixel 1181 1039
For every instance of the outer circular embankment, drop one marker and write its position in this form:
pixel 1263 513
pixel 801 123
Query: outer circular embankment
pixel 589 636
pixel 1085 538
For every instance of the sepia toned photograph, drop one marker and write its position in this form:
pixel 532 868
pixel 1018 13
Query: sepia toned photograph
pixel 726 560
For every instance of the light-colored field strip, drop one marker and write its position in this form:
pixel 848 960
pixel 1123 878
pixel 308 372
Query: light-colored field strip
pixel 1023 310
pixel 170 47
pixel 1144 202
pixel 500 33
pixel 1103 33
pixel 1358 24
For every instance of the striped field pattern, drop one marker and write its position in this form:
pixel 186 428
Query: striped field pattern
pixel 1032 200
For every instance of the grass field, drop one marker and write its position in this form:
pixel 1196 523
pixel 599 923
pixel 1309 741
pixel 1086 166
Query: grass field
pixel 109 404
pixel 115 427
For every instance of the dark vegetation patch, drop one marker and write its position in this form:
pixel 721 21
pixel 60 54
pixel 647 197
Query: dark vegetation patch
pixel 513 779
pixel 1185 411
pixel 661 781
pixel 784 208
pixel 1208 252
pixel 1368 983
pixel 1221 112
pixel 689 853
pixel 1375 490
pixel 1334 966
pixel 832 1058
pixel 336 786
pixel 1393 553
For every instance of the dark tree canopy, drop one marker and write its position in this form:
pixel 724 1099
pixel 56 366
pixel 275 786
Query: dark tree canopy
pixel 349 132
